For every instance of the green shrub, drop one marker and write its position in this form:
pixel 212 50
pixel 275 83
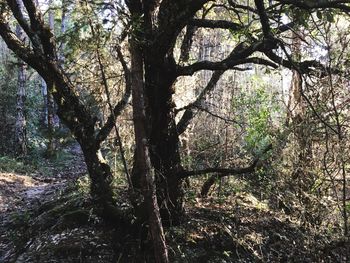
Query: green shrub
pixel 12 165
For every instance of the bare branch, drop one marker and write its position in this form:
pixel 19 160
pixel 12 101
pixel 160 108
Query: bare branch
pixel 228 63
pixel 227 171
pixel 113 117
pixel 208 23
pixel 38 26
pixel 111 121
pixel 222 171
pixel 187 43
pixel 226 120
pixel 18 47
pixel 304 67
pixel 189 112
pixel 263 18
pixel 308 5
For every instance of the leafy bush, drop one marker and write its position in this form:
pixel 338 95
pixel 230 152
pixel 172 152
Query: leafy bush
pixel 257 109
pixel 11 165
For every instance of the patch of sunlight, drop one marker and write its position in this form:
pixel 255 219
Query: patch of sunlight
pixel 250 200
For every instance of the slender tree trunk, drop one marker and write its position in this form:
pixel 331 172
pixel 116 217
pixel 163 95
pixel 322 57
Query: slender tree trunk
pixel 51 103
pixel 297 107
pixel 20 125
pixel 50 121
pixel 44 94
pixel 49 111
pixel 64 22
pixel 143 172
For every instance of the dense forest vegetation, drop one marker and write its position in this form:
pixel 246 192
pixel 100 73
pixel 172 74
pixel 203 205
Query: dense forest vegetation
pixel 174 131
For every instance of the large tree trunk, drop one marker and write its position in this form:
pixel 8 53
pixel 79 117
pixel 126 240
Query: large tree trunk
pixel 101 179
pixel 143 172
pixel 83 129
pixel 99 172
pixel 164 141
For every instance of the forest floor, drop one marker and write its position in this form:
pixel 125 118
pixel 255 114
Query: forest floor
pixel 48 217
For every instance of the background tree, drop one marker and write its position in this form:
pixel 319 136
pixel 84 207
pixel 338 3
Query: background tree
pixel 20 126
pixel 49 107
pixel 8 101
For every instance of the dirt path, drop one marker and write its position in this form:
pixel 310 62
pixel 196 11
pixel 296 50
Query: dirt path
pixel 20 193
pixel 18 190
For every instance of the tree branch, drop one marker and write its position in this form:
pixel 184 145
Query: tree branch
pixel 70 109
pixel 228 63
pixel 18 47
pixel 208 23
pixel 264 20
pixel 111 121
pixel 234 5
pixel 227 171
pixel 16 8
pixel 187 43
pixel 38 26
pixel 308 5
pixel 304 67
pixel 189 112
pixel 239 55
pixel 172 18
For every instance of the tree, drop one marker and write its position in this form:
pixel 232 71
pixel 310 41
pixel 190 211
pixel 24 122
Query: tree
pixel 152 30
pixel 20 125
pixel 49 111
pixel 8 88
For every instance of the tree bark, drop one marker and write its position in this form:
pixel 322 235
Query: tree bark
pixel 49 104
pixel 44 94
pixel 101 179
pixel 20 124
pixel 164 140
pixel 64 22
pixel 143 172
